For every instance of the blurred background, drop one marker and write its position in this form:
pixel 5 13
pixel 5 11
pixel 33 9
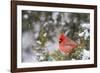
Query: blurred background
pixel 41 31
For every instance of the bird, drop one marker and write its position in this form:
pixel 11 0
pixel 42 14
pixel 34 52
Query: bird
pixel 66 45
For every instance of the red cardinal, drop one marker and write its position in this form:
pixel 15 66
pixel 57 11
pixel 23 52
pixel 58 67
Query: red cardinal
pixel 66 45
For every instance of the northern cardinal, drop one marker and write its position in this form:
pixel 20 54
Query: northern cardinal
pixel 66 45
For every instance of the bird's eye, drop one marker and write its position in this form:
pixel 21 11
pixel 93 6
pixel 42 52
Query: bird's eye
pixel 60 41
